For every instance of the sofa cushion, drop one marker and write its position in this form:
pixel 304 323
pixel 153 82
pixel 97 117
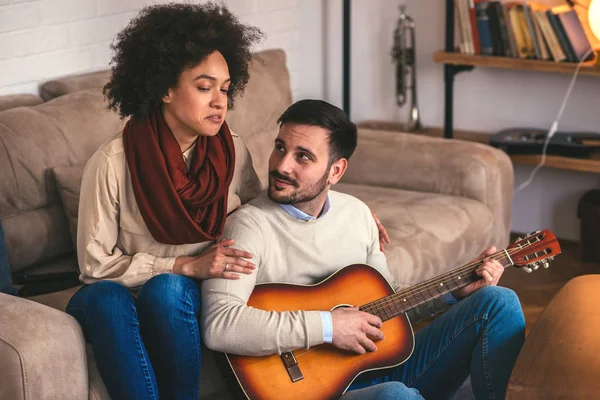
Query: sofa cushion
pixel 19 100
pixel 33 140
pixel 433 231
pixel 68 182
pixel 69 84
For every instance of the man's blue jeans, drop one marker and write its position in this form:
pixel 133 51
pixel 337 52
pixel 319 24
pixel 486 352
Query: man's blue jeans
pixel 148 346
pixel 480 336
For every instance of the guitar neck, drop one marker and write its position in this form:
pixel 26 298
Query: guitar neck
pixel 415 296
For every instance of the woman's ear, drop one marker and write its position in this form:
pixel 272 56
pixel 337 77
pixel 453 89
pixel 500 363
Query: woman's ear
pixel 167 97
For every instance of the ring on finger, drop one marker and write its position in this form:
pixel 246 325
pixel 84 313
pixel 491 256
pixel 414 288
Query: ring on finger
pixel 226 266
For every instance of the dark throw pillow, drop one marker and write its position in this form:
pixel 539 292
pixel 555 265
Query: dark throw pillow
pixel 6 285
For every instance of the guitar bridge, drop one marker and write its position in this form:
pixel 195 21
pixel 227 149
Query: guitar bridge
pixel 291 365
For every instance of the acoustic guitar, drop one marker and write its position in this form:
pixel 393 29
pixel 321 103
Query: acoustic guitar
pixel 324 371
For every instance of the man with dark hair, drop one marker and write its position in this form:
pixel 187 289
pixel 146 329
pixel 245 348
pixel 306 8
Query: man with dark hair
pixel 301 232
pixel 342 135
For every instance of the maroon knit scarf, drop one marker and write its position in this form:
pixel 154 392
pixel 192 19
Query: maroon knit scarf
pixel 179 206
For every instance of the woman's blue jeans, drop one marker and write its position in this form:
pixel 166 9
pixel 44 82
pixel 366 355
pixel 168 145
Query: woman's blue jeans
pixel 481 336
pixel 147 347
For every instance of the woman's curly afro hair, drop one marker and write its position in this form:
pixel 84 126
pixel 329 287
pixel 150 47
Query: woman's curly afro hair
pixel 162 41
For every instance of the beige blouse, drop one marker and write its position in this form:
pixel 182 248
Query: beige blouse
pixel 113 241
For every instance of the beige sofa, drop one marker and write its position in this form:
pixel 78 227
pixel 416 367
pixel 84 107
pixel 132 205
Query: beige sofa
pixel 442 202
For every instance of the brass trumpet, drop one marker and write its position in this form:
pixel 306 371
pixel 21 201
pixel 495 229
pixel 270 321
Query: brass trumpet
pixel 403 54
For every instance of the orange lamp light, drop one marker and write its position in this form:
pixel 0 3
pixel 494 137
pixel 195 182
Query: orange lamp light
pixel 594 17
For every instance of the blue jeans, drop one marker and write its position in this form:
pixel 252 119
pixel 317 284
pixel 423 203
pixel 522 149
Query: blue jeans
pixel 480 336
pixel 148 346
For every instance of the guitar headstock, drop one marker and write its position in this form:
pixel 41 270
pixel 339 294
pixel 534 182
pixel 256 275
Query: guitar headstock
pixel 534 250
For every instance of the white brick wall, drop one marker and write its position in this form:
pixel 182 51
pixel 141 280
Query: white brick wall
pixel 45 39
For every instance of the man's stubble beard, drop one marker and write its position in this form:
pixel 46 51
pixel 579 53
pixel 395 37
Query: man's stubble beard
pixel 302 196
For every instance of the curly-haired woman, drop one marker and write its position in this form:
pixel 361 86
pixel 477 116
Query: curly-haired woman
pixel 154 199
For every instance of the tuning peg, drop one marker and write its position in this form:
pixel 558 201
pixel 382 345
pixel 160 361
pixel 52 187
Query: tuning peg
pixel 535 266
pixel 527 269
pixel 546 265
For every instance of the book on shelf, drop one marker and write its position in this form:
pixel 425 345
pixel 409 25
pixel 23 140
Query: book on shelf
pixel 523 30
pixel 537 51
pixel 495 29
pixel 520 29
pixel 474 30
pixel 561 35
pixel 465 32
pixel 484 29
pixel 556 50
pixel 516 23
pixel 539 37
pixel 510 45
pixel 575 35
pixel 512 41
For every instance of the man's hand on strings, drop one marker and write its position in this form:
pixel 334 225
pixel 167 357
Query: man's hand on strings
pixel 490 272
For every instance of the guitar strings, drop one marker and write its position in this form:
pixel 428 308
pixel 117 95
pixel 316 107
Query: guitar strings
pixel 379 305
pixel 427 285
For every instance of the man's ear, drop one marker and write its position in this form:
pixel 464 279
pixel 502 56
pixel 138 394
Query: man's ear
pixel 337 171
pixel 167 97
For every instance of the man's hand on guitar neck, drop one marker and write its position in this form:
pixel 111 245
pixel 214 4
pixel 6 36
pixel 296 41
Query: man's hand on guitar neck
pixel 355 330
pixel 490 272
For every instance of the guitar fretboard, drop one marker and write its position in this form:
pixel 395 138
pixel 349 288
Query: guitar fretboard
pixel 414 296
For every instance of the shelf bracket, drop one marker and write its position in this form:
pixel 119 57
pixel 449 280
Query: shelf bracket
pixel 450 71
pixel 455 69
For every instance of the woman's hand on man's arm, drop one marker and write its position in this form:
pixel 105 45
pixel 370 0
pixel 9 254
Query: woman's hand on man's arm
pixel 217 261
pixel 383 235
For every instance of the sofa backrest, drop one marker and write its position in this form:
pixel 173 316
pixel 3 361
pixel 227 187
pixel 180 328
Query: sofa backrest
pixel 19 100
pixel 68 129
pixel 75 83
pixel 33 140
pixel 266 97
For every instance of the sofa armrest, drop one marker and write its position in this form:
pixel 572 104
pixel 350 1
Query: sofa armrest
pixel 427 164
pixel 42 352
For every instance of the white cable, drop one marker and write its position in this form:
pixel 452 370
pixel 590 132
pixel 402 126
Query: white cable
pixel 554 126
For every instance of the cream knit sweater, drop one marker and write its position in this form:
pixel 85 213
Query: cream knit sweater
pixel 285 250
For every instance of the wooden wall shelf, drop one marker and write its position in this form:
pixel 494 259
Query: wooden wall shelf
pixel 455 63
pixel 559 162
pixel 591 165
pixel 587 68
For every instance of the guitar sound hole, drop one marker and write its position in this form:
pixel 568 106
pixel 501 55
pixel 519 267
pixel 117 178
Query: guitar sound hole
pixel 342 306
